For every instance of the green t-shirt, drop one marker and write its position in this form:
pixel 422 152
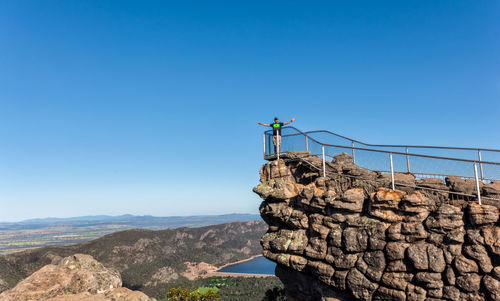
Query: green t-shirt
pixel 277 128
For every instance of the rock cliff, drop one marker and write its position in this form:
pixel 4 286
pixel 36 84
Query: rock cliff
pixel 348 236
pixel 75 278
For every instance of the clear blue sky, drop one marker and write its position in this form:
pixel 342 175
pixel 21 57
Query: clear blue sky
pixel 150 107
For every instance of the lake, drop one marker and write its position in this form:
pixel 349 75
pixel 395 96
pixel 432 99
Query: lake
pixel 258 265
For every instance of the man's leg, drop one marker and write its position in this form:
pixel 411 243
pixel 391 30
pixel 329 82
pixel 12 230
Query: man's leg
pixel 275 142
pixel 279 143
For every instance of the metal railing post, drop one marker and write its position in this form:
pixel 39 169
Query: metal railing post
pixel 269 142
pixel 480 164
pixel 353 157
pixel 324 163
pixel 307 144
pixel 392 172
pixel 407 160
pixel 278 145
pixel 477 185
pixel 264 140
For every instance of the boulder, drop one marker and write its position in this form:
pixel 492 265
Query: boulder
pixel 496 272
pixel 480 255
pixel 396 280
pixel 77 277
pixel 399 178
pixel 413 232
pixel 445 219
pixel 492 190
pixel 437 196
pixel 316 249
pixel 415 207
pixel 384 204
pixel 466 186
pixel 275 213
pixel 274 169
pixel 480 215
pixel 395 250
pixel 318 230
pixel 417 254
pixel 384 293
pixel 372 265
pixel 335 236
pixel 449 276
pixel 351 200
pixel 492 239
pixel 396 266
pixel 415 293
pixel 429 280
pixel 339 279
pixel 376 235
pixel 355 240
pixel 360 286
pixel 297 263
pixel 280 189
pixel 285 240
pixel 321 271
pixel 474 237
pixel 492 285
pixel 464 265
pixel 436 259
pixel 469 282
pixel 342 160
pixel 339 259
pixel 434 183
pixel 451 293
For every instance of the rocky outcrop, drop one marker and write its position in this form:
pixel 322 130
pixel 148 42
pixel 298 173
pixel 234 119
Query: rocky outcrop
pixel 75 278
pixel 348 236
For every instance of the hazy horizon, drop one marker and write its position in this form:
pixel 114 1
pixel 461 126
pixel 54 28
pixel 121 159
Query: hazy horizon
pixel 120 215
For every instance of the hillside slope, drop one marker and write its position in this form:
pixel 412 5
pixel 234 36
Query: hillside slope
pixel 147 260
pixel 29 234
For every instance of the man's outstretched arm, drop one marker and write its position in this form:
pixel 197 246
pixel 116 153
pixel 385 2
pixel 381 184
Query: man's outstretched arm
pixel 285 123
pixel 264 124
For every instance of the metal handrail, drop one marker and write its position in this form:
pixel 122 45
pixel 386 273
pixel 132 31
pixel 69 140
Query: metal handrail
pixel 386 145
pixel 386 151
pixel 400 184
pixel 391 153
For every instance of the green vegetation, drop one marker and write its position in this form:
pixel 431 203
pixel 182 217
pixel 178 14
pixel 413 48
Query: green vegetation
pixel 232 288
pixel 200 294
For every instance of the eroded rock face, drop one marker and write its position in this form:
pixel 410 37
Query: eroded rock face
pixel 341 238
pixel 78 277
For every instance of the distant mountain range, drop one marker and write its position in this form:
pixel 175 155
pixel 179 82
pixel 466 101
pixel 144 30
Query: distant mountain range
pixel 43 232
pixel 171 220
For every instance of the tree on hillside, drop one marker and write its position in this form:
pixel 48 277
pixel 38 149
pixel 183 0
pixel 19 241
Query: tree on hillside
pixel 183 294
pixel 275 294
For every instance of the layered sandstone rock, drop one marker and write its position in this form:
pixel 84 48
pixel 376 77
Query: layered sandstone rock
pixel 75 278
pixel 348 236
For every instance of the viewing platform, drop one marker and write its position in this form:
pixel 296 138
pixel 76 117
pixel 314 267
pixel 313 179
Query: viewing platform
pixel 464 167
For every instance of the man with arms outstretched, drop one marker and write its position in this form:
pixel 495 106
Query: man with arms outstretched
pixel 277 132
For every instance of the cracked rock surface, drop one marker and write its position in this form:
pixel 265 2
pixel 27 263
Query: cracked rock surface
pixel 342 238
